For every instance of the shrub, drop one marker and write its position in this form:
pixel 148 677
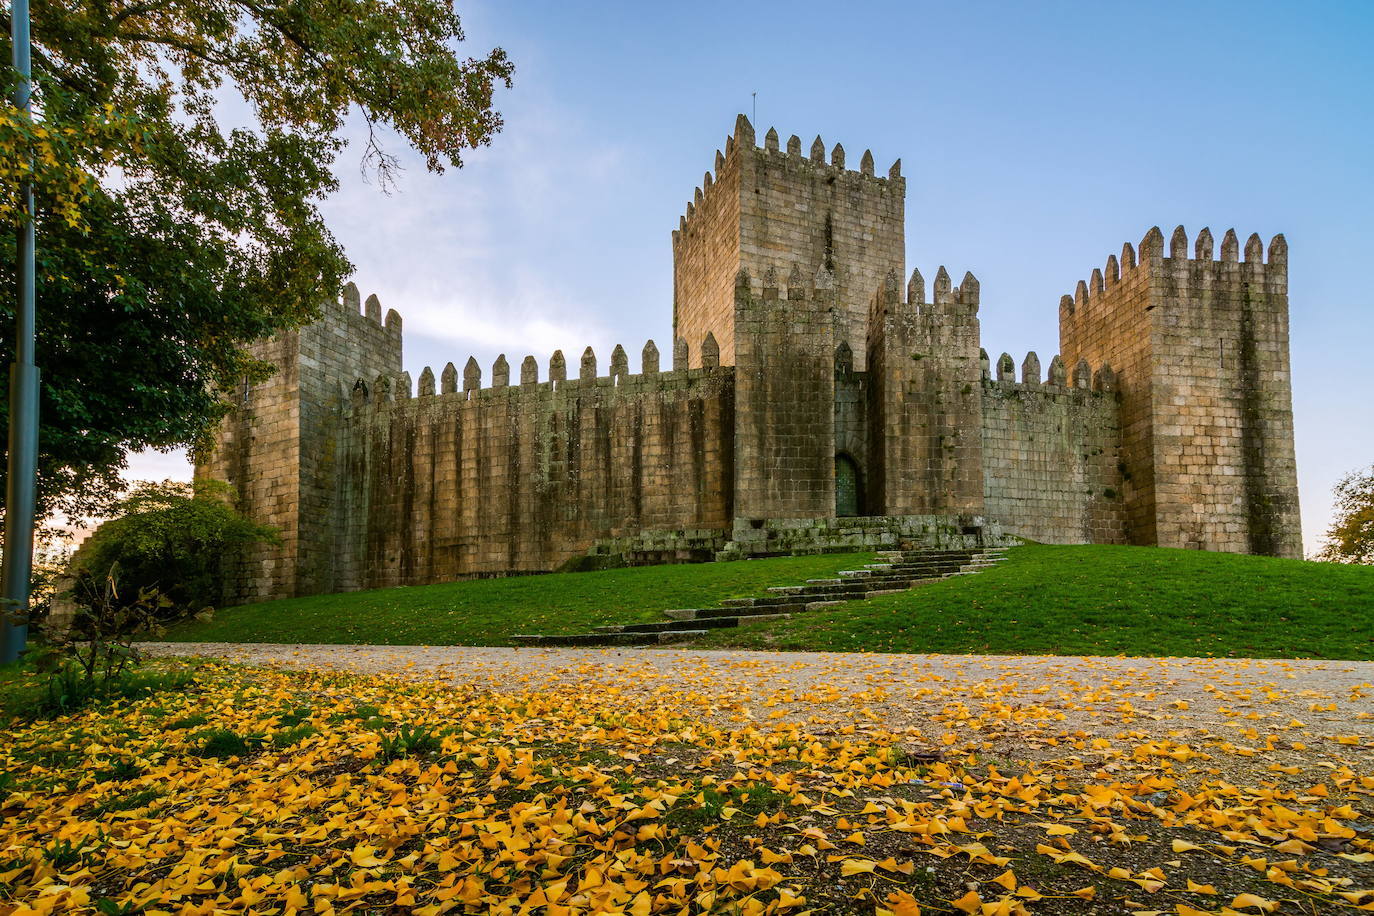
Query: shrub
pixel 173 537
pixel 95 657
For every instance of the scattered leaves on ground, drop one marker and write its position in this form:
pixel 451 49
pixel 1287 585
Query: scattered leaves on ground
pixel 268 791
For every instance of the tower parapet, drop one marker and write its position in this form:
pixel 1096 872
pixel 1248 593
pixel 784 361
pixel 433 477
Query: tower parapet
pixel 1200 348
pixel 765 207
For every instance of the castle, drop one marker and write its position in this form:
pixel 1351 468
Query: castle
pixel 813 402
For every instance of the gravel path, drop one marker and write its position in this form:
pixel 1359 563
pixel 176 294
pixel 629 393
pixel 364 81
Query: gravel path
pixel 1317 706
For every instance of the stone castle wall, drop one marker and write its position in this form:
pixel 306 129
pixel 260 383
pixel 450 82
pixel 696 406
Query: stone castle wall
pixel 1052 453
pixel 706 257
pixel 829 393
pixel 925 441
pixel 278 447
pixel 1200 347
pixel 258 453
pixel 785 397
pixel 513 478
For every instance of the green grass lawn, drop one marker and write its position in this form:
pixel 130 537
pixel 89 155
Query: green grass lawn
pixel 486 612
pixel 1097 600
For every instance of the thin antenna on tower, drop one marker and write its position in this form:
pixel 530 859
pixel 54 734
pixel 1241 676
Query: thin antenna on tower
pixel 755 117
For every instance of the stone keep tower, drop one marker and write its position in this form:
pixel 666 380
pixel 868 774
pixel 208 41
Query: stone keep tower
pixel 1201 351
pixel 764 209
pixel 278 446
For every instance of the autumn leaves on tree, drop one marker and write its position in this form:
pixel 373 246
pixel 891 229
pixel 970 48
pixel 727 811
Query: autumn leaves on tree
pixel 168 240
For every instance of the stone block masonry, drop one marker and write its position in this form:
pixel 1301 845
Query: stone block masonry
pixel 278 447
pixel 520 478
pixel 785 396
pixel 1200 346
pixel 811 404
pixel 767 208
pixel 1052 453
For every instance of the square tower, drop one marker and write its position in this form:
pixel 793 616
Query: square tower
pixel 277 446
pixel 768 209
pixel 1200 348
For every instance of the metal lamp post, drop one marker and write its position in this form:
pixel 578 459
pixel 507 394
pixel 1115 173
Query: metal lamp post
pixel 20 496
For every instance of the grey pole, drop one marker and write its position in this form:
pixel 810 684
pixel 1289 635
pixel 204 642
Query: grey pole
pixel 20 495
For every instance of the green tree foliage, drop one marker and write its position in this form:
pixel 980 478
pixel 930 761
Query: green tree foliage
pixel 171 538
pixel 1350 539
pixel 168 240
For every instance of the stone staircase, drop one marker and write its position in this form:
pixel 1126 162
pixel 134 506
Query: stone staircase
pixel 895 571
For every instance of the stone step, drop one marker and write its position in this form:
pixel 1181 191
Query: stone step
pixel 586 639
pixel 668 625
pixel 792 607
pixel 695 626
pixel 679 636
pixel 900 571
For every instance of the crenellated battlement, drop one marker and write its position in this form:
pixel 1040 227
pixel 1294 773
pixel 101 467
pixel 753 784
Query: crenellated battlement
pixel 389 388
pixel 1152 255
pixel 742 142
pixel 945 298
pixel 1002 375
pixel 350 304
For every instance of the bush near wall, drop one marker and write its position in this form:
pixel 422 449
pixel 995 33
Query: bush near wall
pixel 172 537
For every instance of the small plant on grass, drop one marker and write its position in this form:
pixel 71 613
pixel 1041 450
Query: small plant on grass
pixel 192 721
pixel 709 805
pixel 225 742
pixel 291 736
pixel 64 854
pixel 120 771
pixel 129 801
pixel 96 657
pixel 292 717
pixel 409 742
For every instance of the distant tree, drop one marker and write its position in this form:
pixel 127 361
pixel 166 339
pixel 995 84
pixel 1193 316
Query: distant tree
pixel 166 240
pixel 1350 539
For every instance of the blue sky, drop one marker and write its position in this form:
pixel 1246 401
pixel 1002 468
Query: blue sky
pixel 1035 139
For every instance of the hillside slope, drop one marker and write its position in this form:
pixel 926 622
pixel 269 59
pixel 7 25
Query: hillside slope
pixel 1081 600
pixel 1102 600
pixel 487 612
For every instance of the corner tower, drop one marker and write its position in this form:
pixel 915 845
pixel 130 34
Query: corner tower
pixel 278 445
pixel 768 208
pixel 1200 347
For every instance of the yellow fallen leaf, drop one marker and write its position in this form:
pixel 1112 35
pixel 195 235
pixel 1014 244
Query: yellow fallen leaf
pixel 903 904
pixel 970 903
pixel 365 856
pixel 857 866
pixel 1248 901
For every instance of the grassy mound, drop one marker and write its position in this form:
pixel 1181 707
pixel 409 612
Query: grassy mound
pixel 486 612
pixel 1100 600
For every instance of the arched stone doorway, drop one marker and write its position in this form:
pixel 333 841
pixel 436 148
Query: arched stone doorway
pixel 848 487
